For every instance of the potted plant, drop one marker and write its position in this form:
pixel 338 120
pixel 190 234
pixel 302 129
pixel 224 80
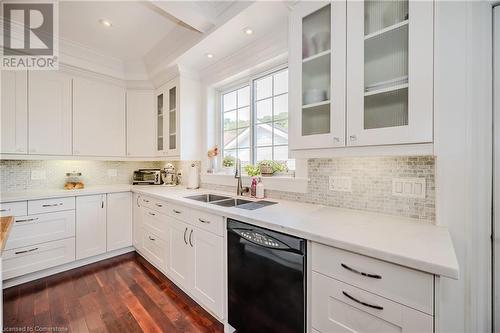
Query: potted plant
pixel 252 170
pixel 269 168
pixel 228 164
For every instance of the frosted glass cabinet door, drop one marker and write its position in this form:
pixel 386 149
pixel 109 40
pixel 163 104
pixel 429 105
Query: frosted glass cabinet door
pixel 317 75
pixel 389 91
pixel 172 107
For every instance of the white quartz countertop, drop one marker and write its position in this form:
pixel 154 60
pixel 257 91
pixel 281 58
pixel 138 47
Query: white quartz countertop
pixel 60 193
pixel 408 242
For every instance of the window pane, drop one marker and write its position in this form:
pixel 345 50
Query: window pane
pixel 264 153
pixel 244 138
pixel 281 153
pixel 229 140
pixel 244 156
pixel 281 82
pixel 264 135
pixel 229 101
pixel 264 87
pixel 281 107
pixel 244 96
pixel 264 111
pixel 229 120
pixel 280 134
pixel 244 117
pixel 232 153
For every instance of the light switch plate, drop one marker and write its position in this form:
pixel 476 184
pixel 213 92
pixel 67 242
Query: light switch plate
pixel 340 183
pixel 38 174
pixel 408 187
pixel 112 173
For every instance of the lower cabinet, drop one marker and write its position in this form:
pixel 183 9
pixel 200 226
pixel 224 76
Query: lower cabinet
pixel 33 258
pixel 180 252
pixel 90 225
pixel 119 220
pixel 153 248
pixel 137 223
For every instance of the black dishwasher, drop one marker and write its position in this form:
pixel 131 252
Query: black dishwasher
pixel 266 280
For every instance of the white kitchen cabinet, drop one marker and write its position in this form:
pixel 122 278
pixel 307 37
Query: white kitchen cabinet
pixel 390 70
pixel 50 113
pixel 98 118
pixel 137 222
pixel 317 75
pixel 90 225
pixel 178 125
pixel 207 270
pixel 180 252
pixel 141 120
pixel 14 112
pixel 154 249
pixel 119 220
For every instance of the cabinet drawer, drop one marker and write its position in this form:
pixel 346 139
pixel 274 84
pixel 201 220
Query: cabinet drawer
pixel 379 277
pixel 154 204
pixel 35 258
pixel 19 208
pixel 41 228
pixel 179 212
pixel 50 205
pixel 153 248
pixel 155 222
pixel 206 221
pixel 339 307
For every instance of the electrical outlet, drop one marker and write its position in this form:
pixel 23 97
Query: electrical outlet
pixel 38 174
pixel 340 184
pixel 112 173
pixel 409 187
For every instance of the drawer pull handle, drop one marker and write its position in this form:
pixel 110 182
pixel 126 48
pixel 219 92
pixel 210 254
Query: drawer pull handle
pixel 159 205
pixel 177 211
pixel 190 235
pixel 53 205
pixel 378 307
pixel 373 276
pixel 137 201
pixel 185 241
pixel 145 200
pixel 26 251
pixel 5 210
pixel 152 214
pixel 151 238
pixel 27 220
pixel 204 221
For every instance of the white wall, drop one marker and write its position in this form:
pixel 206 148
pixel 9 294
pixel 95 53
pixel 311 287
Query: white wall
pixel 463 140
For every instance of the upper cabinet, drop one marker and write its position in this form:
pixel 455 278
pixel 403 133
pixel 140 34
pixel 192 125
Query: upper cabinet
pixel 49 105
pixel 98 118
pixel 141 120
pixel 14 114
pixel 317 74
pixel 178 119
pixel 390 69
pixel 373 87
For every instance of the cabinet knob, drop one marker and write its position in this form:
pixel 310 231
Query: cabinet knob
pixel 353 137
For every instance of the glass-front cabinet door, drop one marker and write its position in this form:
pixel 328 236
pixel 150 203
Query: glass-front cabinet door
pixel 317 75
pixel 160 116
pixel 390 72
pixel 172 140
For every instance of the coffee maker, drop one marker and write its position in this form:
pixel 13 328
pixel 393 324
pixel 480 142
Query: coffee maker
pixel 169 175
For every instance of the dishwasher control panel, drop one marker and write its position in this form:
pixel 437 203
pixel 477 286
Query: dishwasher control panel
pixel 259 238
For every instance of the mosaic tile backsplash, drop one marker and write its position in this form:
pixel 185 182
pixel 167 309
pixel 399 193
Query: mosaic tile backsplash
pixel 371 185
pixel 16 175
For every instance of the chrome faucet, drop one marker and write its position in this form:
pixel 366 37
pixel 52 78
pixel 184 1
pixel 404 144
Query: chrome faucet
pixel 237 175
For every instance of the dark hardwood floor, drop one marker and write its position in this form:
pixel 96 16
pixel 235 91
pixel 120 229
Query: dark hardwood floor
pixel 122 294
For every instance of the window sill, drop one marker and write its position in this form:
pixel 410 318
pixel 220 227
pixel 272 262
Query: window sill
pixel 279 183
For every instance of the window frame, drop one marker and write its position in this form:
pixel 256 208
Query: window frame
pixel 234 86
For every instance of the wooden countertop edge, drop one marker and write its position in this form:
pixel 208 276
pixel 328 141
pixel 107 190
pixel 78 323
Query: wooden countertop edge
pixel 6 223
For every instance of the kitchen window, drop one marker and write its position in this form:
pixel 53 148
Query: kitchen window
pixel 255 119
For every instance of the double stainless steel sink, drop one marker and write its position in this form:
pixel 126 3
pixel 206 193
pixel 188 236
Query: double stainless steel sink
pixel 224 201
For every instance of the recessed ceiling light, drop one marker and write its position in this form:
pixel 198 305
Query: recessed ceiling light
pixel 248 31
pixel 106 23
pixel 209 55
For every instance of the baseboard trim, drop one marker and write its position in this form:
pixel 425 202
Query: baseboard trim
pixel 66 267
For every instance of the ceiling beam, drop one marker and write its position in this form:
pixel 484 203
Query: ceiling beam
pixel 187 12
